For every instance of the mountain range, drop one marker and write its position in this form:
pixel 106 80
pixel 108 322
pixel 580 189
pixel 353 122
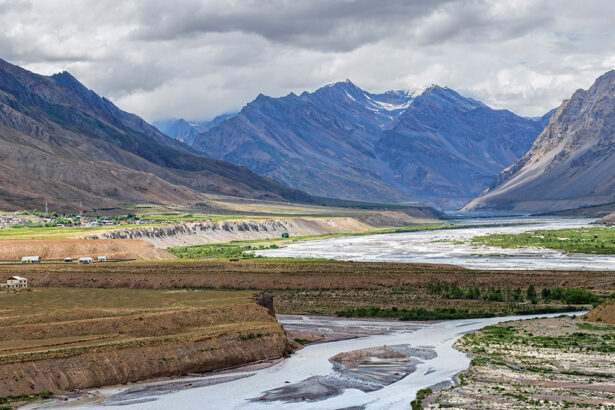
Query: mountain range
pixel 570 165
pixel 62 143
pixel 432 145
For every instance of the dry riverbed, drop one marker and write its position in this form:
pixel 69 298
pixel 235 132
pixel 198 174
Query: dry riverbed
pixel 542 363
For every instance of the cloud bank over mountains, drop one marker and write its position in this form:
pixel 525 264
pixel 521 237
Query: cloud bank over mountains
pixel 196 59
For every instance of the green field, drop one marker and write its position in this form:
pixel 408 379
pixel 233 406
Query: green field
pixel 579 240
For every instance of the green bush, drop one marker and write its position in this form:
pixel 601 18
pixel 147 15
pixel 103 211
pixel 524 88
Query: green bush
pixel 417 404
pixel 414 314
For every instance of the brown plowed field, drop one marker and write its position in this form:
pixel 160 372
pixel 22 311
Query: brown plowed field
pixel 282 275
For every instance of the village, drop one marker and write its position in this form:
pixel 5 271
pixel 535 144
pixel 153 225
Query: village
pixel 36 219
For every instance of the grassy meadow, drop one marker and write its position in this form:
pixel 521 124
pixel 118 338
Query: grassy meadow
pixel 599 240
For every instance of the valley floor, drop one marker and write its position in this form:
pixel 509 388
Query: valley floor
pixel 92 316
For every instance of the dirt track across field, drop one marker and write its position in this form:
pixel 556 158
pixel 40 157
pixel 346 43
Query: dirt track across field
pixel 77 248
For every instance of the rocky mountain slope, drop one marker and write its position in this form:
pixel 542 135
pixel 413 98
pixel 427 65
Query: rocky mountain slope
pixel 341 141
pixel 62 143
pixel 450 147
pixel 570 165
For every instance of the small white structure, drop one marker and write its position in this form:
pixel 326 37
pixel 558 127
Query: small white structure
pixel 31 259
pixel 102 259
pixel 15 282
pixel 68 259
pixel 86 260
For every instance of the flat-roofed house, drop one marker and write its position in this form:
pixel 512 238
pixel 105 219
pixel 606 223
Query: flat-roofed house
pixel 31 259
pixel 15 282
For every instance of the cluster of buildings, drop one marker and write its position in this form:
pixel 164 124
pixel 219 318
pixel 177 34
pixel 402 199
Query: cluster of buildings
pixel 84 259
pixel 10 220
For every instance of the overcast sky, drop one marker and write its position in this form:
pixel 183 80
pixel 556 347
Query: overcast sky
pixel 196 59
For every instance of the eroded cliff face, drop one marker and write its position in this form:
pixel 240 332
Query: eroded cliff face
pixel 226 231
pixel 111 367
pixel 187 234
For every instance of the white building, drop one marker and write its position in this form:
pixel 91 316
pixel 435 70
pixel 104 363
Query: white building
pixel 31 259
pixel 15 282
pixel 102 259
pixel 86 259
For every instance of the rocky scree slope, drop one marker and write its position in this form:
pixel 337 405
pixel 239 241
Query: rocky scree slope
pixel 62 143
pixel 341 141
pixel 570 165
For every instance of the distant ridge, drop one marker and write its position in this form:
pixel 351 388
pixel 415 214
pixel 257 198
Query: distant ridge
pixel 430 145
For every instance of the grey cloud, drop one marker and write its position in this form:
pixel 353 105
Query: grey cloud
pixel 7 6
pixel 196 59
pixel 318 24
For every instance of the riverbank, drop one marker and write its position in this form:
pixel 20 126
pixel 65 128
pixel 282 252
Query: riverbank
pixel 542 363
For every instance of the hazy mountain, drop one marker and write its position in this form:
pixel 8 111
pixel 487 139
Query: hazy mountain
pixel 185 131
pixel 341 141
pixel 570 165
pixel 62 143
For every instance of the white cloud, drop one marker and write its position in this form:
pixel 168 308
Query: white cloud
pixel 195 59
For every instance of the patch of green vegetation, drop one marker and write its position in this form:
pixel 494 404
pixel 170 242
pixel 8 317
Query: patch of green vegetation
pixel 414 314
pixel 303 342
pixel 482 361
pixel 24 397
pixel 217 251
pixel 417 404
pixel 573 296
pixel 507 334
pixel 250 335
pixel 549 309
pixel 570 296
pixel 578 240
pixel 591 326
